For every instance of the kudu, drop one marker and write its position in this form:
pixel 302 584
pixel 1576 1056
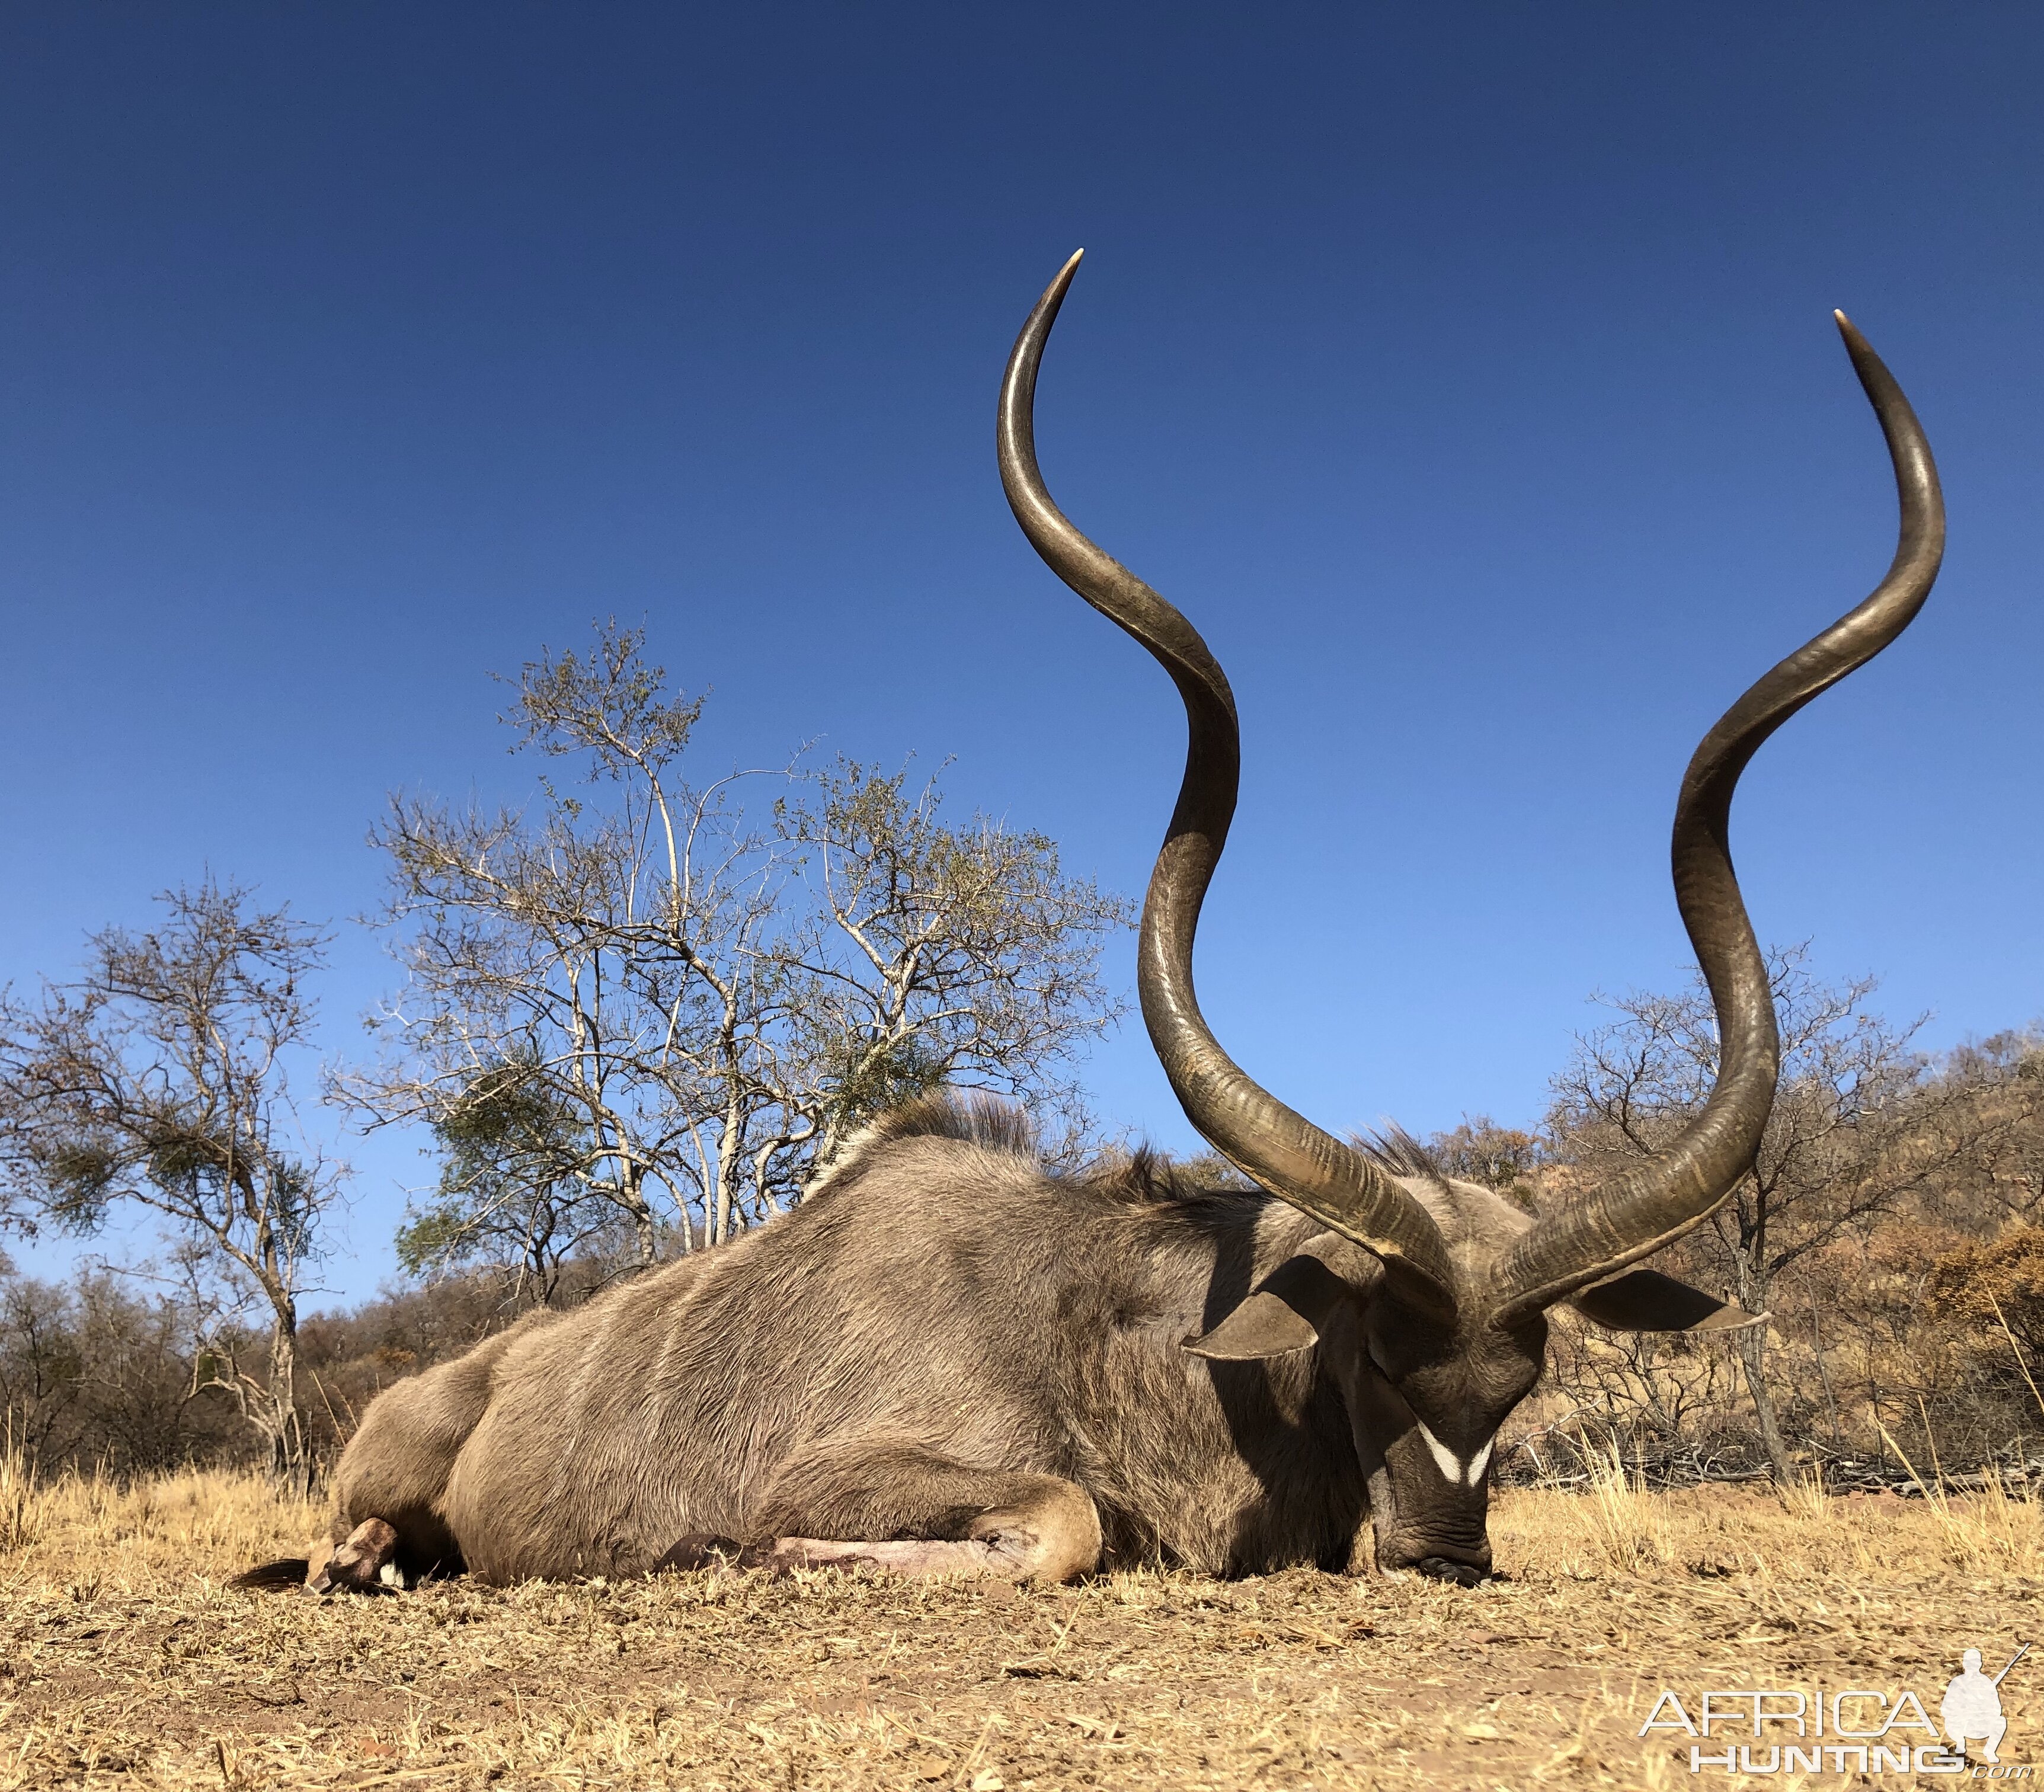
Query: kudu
pixel 945 1359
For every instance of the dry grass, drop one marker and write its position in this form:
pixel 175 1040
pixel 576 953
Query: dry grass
pixel 123 1662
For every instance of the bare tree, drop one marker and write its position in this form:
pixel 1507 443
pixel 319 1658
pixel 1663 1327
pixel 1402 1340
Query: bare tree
pixel 505 1200
pixel 698 1005
pixel 1856 1128
pixel 157 1081
pixel 1991 1113
pixel 931 954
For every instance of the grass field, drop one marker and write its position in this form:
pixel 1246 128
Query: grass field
pixel 124 1662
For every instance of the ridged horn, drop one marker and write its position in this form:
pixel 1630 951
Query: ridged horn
pixel 1279 1150
pixel 1636 1215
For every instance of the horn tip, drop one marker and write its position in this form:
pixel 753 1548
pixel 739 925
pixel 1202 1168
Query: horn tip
pixel 1054 294
pixel 1856 344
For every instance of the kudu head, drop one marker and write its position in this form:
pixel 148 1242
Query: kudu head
pixel 1428 1298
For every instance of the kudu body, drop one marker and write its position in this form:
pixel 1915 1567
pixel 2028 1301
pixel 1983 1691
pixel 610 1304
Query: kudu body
pixel 945 1359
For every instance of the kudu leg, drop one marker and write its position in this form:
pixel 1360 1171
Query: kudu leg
pixel 907 1510
pixel 368 1559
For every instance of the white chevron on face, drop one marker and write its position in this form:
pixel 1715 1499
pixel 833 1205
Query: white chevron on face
pixel 1451 1465
pixel 1445 1459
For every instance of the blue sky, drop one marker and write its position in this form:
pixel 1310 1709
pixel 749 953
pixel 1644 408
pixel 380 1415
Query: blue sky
pixel 1466 372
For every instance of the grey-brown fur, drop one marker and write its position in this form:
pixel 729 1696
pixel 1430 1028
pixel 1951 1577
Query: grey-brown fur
pixel 937 1292
pixel 939 1328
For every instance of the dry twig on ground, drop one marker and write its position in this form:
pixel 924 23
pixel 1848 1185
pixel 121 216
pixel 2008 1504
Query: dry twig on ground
pixel 126 1664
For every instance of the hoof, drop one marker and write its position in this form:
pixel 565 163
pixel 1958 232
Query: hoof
pixel 365 1564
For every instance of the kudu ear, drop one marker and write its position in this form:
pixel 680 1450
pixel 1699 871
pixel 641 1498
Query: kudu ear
pixel 1643 1300
pixel 1288 1309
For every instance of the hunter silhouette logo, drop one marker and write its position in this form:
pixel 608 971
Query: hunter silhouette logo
pixel 1856 1730
pixel 1971 1708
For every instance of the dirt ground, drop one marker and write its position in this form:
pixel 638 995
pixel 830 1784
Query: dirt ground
pixel 124 1662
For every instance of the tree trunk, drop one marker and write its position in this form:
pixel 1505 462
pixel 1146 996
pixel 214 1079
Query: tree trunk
pixel 1752 1290
pixel 730 1156
pixel 1752 1348
pixel 632 1184
pixel 291 1460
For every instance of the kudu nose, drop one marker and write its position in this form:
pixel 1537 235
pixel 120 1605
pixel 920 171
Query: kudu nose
pixel 1442 1567
pixel 1463 1559
pixel 1442 1545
